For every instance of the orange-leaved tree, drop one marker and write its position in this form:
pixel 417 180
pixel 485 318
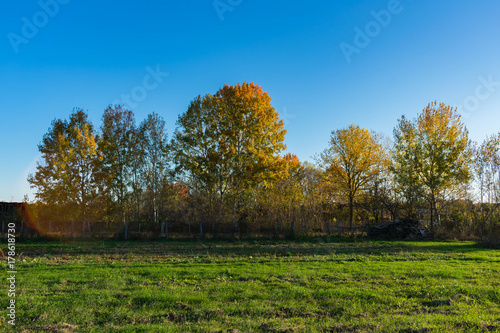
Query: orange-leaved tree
pixel 229 141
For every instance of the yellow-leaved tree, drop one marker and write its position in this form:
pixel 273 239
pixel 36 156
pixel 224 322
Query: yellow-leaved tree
pixel 230 141
pixel 68 177
pixel 355 158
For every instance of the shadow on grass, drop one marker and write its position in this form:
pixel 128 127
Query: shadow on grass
pixel 242 248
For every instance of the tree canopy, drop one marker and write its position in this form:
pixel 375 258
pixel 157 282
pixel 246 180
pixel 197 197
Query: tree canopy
pixel 433 150
pixel 229 141
pixel 354 158
pixel 67 176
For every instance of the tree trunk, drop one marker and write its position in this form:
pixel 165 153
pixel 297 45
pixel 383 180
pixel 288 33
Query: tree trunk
pixel 469 215
pixel 155 210
pixel 432 213
pixel 351 212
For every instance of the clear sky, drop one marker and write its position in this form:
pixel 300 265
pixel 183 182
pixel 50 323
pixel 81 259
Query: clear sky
pixel 326 64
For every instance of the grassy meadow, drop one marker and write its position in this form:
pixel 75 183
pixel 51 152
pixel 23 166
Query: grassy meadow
pixel 313 285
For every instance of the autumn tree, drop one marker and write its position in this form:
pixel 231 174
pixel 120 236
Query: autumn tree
pixel 120 153
pixel 154 158
pixel 354 158
pixel 380 195
pixel 486 158
pixel 486 167
pixel 403 166
pixel 68 176
pixel 229 141
pixel 283 198
pixel 433 152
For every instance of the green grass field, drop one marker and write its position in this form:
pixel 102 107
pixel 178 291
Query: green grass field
pixel 255 286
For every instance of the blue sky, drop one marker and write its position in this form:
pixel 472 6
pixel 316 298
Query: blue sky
pixel 88 54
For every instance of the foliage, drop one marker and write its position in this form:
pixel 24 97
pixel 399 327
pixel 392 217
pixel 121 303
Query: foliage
pixel 229 142
pixel 432 151
pixel 353 160
pixel 404 165
pixel 67 178
pixel 121 158
pixel 486 162
pixel 223 168
pixel 154 158
pixel 486 165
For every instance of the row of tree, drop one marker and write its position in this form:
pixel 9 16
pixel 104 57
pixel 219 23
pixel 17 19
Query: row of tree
pixel 224 164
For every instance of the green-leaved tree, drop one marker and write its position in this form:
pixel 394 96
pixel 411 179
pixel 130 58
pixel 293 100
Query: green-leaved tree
pixel 432 151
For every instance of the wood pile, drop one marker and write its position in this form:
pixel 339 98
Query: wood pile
pixel 405 229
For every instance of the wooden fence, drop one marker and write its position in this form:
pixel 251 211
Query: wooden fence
pixel 171 229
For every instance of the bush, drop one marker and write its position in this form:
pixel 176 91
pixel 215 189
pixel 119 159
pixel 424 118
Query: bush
pixel 491 236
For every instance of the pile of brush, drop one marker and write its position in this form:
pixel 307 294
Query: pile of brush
pixel 405 229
